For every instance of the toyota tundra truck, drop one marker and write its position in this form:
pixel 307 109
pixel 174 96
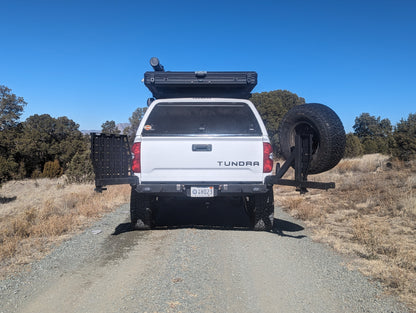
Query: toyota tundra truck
pixel 201 137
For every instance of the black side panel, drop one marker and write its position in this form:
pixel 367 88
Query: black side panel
pixel 200 84
pixel 111 159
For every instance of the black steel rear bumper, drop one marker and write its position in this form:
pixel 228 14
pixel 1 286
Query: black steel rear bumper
pixel 220 189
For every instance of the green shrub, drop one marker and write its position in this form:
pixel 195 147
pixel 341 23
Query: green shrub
pixel 405 139
pixel 376 145
pixel 8 168
pixel 353 146
pixel 80 169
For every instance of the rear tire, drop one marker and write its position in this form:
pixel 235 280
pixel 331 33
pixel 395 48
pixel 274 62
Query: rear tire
pixel 328 135
pixel 261 211
pixel 141 210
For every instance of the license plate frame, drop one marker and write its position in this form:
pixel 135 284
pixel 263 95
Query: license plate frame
pixel 202 192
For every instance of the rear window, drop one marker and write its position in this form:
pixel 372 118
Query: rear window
pixel 195 119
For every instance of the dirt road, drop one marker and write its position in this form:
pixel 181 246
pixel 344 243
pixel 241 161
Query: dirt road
pixel 216 266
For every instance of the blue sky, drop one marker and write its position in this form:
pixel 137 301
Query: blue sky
pixel 85 59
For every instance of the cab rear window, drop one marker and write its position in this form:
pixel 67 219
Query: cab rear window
pixel 195 119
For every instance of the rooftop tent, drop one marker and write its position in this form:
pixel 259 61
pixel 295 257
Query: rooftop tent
pixel 199 84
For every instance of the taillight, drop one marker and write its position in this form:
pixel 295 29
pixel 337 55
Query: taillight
pixel 267 157
pixel 135 150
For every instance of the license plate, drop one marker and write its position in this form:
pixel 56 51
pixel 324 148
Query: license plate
pixel 202 192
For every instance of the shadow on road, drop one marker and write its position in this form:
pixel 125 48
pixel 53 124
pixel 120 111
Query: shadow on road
pixel 122 228
pixel 282 226
pixel 217 213
pixel 4 200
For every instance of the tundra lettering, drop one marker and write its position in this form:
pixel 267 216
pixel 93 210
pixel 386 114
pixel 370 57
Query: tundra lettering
pixel 238 163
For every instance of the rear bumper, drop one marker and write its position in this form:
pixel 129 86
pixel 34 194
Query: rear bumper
pixel 184 189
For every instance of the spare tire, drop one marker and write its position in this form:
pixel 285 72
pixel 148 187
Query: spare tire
pixel 328 134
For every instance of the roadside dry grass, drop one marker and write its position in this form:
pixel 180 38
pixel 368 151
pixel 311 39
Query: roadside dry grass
pixel 35 215
pixel 370 215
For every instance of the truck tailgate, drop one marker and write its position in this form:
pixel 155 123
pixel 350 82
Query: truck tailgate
pixel 202 159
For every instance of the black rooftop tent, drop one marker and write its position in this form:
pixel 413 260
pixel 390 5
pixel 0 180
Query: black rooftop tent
pixel 199 84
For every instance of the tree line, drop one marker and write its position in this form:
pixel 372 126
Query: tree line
pixel 41 146
pixel 44 146
pixel 375 135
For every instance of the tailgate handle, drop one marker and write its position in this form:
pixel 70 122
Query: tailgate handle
pixel 201 147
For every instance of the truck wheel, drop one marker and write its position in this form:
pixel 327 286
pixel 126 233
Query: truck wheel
pixel 262 212
pixel 328 135
pixel 141 211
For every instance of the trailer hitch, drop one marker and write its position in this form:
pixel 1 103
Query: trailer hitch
pixel 300 158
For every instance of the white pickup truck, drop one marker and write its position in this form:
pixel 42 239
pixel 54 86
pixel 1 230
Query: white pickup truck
pixel 202 137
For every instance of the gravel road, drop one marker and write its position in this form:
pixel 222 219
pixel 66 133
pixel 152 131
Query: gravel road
pixel 216 266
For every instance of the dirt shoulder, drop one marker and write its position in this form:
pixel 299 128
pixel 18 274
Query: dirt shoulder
pixel 370 216
pixel 36 215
